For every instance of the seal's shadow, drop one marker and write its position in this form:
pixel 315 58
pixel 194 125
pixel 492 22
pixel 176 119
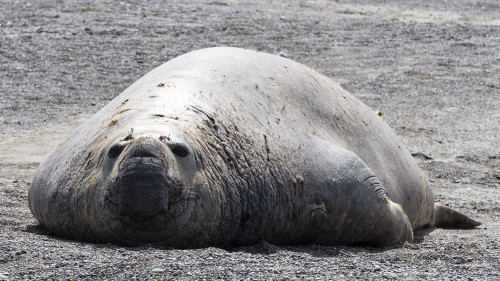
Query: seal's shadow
pixel 264 248
pixel 38 229
pixel 419 235
pixel 45 234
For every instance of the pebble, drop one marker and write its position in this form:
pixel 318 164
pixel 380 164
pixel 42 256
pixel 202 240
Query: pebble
pixel 157 270
pixel 283 54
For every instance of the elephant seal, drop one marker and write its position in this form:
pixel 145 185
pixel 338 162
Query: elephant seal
pixel 227 147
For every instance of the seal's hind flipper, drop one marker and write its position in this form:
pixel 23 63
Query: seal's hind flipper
pixel 446 217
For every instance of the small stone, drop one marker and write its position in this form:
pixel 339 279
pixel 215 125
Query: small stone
pixel 22 252
pixel 465 180
pixel 158 270
pixel 283 54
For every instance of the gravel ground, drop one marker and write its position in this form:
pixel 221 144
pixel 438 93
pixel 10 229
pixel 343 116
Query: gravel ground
pixel 432 68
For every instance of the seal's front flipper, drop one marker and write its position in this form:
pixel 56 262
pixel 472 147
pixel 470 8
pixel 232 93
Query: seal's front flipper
pixel 446 217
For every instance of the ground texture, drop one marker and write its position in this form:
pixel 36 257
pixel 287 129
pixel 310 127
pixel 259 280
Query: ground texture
pixel 433 69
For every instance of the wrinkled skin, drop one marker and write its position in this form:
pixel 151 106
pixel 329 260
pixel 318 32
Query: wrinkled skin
pixel 227 147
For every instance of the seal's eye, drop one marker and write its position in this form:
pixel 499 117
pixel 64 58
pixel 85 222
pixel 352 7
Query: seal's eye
pixel 115 150
pixel 180 150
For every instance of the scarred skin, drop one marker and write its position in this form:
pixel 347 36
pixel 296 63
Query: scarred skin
pixel 227 147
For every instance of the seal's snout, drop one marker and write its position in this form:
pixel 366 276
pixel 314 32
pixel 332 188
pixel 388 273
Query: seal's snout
pixel 142 180
pixel 146 147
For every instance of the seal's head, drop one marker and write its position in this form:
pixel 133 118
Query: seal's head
pixel 143 176
pixel 150 187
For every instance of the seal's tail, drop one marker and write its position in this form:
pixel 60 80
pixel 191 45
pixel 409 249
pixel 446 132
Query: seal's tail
pixel 446 217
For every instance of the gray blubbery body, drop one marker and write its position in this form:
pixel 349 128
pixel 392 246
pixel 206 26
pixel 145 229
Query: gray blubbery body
pixel 226 147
